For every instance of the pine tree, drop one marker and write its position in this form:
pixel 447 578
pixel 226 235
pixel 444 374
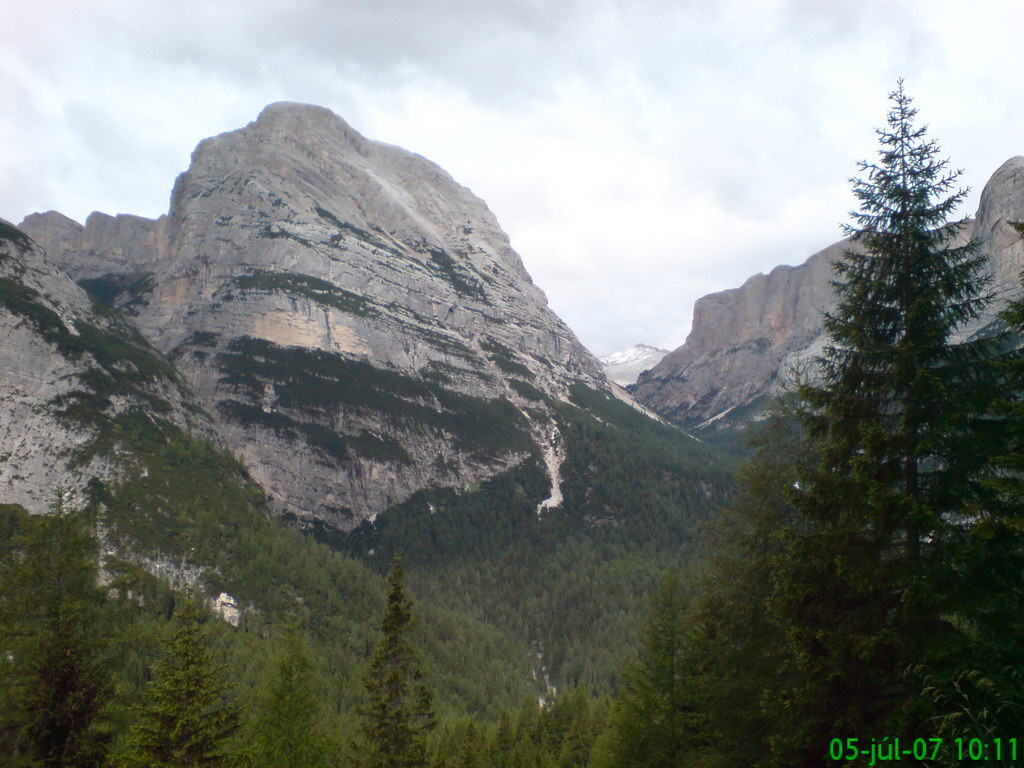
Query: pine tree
pixel 652 725
pixel 866 590
pixel 186 720
pixel 579 739
pixel 470 751
pixel 503 743
pixel 982 696
pixel 734 651
pixel 400 712
pixel 287 730
pixel 54 681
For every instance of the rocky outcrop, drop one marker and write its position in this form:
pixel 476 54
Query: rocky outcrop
pixel 69 377
pixel 741 341
pixel 1002 201
pixel 105 245
pixel 354 319
pixel 746 341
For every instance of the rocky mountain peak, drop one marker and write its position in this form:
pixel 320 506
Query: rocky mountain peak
pixel 305 128
pixel 310 125
pixel 291 115
pixel 300 162
pixel 300 257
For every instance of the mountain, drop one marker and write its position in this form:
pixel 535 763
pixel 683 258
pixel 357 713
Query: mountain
pixel 745 342
pixel 362 353
pixel 354 320
pixel 623 367
pixel 86 404
pixel 77 382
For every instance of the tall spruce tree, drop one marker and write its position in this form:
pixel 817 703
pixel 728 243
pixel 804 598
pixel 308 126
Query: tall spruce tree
pixel 400 710
pixel 653 724
pixel 186 720
pixel 983 696
pixel 54 680
pixel 734 650
pixel 867 589
pixel 288 731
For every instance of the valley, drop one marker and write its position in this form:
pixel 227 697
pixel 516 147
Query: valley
pixel 327 356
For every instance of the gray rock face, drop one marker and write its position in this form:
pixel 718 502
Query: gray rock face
pixel 1002 200
pixel 64 380
pixel 746 341
pixel 105 245
pixel 300 257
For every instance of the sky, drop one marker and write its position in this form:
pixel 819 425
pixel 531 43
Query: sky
pixel 639 153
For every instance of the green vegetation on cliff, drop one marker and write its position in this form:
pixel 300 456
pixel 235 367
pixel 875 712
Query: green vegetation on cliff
pixel 312 384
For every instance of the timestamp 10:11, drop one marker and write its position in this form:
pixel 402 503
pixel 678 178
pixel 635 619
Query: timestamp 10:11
pixel 973 749
pixel 984 749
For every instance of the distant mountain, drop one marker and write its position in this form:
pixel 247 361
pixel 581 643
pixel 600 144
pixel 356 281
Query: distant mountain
pixel 746 341
pixel 623 367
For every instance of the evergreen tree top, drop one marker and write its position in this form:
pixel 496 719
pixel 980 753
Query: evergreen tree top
pixel 909 187
pixel 400 711
pixel 186 719
pixel 906 286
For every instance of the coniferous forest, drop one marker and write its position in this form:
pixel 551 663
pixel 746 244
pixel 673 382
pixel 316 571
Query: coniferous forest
pixel 853 595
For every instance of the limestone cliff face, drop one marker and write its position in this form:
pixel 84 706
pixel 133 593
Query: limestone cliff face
pixel 70 376
pixel 105 245
pixel 1002 200
pixel 745 341
pixel 355 320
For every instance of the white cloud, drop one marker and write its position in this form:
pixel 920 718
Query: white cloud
pixel 639 154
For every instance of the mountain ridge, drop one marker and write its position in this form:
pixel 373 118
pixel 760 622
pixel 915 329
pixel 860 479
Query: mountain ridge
pixel 386 389
pixel 745 342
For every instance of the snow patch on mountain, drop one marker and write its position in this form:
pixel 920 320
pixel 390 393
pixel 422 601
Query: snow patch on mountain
pixel 626 365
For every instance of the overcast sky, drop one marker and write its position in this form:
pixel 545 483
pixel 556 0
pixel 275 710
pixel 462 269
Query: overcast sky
pixel 639 153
